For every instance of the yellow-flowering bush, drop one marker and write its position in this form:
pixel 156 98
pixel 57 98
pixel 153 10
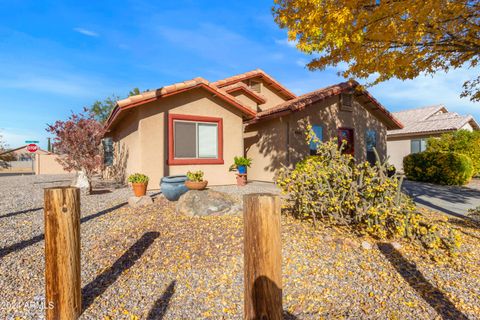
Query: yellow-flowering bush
pixel 329 187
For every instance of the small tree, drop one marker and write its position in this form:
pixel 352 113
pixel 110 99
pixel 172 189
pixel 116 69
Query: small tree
pixel 4 157
pixel 78 140
pixel 102 109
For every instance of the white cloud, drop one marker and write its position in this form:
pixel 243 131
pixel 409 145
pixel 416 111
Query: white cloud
pixel 442 88
pixel 286 42
pixel 86 32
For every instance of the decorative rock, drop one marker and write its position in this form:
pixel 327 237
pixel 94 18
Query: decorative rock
pixel 136 202
pixel 366 245
pixel 208 203
pixel 396 245
pixel 80 181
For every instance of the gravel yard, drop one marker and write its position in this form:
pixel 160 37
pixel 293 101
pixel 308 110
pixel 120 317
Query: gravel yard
pixel 150 263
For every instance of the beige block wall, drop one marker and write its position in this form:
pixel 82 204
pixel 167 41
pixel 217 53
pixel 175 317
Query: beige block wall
pixel 47 164
pixel 281 142
pixel 397 150
pixel 145 134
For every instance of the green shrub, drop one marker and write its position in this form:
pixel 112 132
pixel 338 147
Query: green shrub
pixel 461 141
pixel 332 189
pixel 138 178
pixel 242 161
pixel 447 168
pixel 196 176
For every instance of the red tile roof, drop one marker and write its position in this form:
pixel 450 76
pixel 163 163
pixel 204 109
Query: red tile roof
pixel 149 96
pixel 258 73
pixel 240 86
pixel 310 98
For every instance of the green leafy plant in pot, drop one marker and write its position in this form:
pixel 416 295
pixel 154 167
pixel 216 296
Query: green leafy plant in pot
pixel 139 183
pixel 195 180
pixel 241 164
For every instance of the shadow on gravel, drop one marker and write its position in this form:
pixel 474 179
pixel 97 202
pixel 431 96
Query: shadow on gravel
pixel 160 307
pixel 26 243
pixel 12 214
pixel 432 295
pixel 98 286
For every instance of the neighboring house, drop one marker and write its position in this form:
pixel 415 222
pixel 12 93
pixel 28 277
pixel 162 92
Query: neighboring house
pixel 201 125
pixel 419 125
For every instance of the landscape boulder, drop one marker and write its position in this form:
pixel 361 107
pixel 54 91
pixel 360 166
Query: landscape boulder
pixel 208 203
pixel 136 202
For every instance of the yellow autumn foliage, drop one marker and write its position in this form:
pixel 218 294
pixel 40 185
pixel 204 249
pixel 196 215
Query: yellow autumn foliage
pixel 386 39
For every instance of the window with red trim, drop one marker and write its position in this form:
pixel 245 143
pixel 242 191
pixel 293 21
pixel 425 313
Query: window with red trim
pixel 195 140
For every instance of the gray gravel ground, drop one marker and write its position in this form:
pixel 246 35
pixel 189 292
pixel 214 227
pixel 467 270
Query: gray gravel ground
pixel 150 263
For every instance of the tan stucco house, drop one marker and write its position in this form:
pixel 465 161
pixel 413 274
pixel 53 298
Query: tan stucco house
pixel 419 125
pixel 202 125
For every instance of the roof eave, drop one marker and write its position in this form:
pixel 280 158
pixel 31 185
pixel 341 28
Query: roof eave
pixel 118 109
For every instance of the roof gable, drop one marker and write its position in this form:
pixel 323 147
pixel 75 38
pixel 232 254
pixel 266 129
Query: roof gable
pixel 311 98
pixel 240 86
pixel 258 73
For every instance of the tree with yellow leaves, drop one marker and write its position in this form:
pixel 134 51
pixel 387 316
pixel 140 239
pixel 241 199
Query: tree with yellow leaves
pixel 386 39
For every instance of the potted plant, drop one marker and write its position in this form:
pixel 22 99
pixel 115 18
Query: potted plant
pixel 195 180
pixel 241 164
pixel 139 183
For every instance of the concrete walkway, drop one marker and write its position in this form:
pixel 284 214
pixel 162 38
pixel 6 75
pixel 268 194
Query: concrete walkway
pixel 451 200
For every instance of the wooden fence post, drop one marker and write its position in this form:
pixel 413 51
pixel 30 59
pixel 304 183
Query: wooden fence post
pixel 262 257
pixel 63 298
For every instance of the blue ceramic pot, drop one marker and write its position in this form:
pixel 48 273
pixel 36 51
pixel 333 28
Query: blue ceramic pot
pixel 242 169
pixel 173 187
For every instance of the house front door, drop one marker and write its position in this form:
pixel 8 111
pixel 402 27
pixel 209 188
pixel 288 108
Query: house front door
pixel 346 134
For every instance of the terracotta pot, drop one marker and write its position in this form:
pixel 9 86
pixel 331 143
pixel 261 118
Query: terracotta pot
pixel 241 180
pixel 196 185
pixel 139 189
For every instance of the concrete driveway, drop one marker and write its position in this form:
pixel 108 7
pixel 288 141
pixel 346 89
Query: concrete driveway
pixel 451 200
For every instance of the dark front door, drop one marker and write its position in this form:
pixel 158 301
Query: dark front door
pixel 346 134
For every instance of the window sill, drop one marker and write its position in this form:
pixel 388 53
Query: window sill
pixel 177 162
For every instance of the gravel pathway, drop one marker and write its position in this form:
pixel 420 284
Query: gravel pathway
pixel 151 263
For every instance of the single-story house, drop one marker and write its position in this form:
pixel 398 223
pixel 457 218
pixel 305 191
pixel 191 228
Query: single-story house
pixel 202 125
pixel 419 125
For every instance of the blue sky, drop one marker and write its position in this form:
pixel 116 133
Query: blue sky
pixel 59 56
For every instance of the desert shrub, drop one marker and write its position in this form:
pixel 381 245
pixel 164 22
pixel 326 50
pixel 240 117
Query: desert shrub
pixel 447 168
pixel 332 189
pixel 462 141
pixel 138 178
pixel 196 176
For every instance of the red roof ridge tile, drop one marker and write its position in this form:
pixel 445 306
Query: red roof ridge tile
pixel 242 86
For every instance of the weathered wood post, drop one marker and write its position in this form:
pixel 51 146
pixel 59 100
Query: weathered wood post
pixel 262 257
pixel 62 253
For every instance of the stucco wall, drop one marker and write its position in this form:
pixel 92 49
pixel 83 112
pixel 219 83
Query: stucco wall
pixel 145 134
pixel 246 100
pixel 273 98
pixel 282 141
